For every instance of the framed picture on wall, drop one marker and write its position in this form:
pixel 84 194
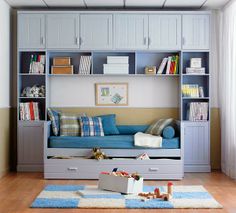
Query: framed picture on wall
pixel 111 94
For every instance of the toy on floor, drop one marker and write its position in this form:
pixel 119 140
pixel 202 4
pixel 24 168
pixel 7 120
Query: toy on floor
pixel 121 173
pixel 157 194
pixel 98 154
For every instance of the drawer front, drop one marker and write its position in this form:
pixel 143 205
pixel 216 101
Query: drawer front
pixel 96 167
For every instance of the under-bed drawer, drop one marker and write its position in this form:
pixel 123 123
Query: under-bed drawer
pixel 90 168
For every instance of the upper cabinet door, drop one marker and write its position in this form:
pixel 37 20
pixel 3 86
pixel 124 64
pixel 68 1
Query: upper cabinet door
pixel 62 31
pixel 131 31
pixel 31 31
pixel 96 31
pixel 196 31
pixel 165 32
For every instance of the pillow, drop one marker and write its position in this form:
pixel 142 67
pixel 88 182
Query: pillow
pixel 54 117
pixel 109 124
pixel 168 132
pixel 91 126
pixel 157 127
pixel 69 125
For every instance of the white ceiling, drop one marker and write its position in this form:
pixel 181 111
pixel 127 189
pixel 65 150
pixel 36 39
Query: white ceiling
pixel 198 4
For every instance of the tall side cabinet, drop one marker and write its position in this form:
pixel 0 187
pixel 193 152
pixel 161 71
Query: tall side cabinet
pixel 145 36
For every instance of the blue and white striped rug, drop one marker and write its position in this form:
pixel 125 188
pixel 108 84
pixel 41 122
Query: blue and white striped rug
pixel 82 196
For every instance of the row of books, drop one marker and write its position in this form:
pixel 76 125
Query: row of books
pixel 29 111
pixel 169 65
pixel 85 65
pixel 37 63
pixel 192 90
pixel 197 111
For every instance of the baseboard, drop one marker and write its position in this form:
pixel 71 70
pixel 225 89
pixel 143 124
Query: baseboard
pixel 197 168
pixel 29 168
pixel 4 172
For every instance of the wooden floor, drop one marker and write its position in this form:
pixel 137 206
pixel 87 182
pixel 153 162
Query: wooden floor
pixel 18 190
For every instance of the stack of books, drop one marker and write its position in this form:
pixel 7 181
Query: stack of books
pixel 116 65
pixel 190 90
pixel 85 65
pixel 37 63
pixel 195 67
pixel 198 111
pixel 169 65
pixel 29 111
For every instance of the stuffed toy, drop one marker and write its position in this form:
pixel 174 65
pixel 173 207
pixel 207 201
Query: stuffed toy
pixel 98 154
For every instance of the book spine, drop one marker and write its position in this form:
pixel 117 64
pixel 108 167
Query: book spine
pixel 31 111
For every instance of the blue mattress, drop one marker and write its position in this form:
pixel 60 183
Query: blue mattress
pixel 108 142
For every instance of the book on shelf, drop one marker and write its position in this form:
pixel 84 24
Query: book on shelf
pixel 191 90
pixel 37 63
pixel 170 64
pixel 29 111
pixel 85 65
pixel 197 111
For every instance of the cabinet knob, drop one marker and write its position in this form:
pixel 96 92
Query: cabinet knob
pixel 72 168
pixel 149 41
pixel 153 169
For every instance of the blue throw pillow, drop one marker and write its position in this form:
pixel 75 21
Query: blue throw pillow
pixel 168 132
pixel 109 124
pixel 91 126
pixel 54 117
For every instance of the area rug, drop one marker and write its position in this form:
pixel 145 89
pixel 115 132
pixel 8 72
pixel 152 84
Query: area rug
pixel 84 196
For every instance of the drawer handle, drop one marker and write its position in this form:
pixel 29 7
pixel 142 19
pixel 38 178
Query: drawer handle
pixel 153 169
pixel 72 168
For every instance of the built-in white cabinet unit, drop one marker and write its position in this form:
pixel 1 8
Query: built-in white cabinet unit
pixel 31 31
pixel 196 31
pixel 196 146
pixel 131 31
pixel 165 32
pixel 30 145
pixel 62 31
pixel 96 31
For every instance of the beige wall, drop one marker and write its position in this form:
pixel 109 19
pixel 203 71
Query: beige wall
pixel 148 115
pixel 4 140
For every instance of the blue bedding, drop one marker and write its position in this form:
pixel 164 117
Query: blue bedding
pixel 108 142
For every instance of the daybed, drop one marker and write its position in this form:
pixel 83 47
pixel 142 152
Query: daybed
pixel 165 162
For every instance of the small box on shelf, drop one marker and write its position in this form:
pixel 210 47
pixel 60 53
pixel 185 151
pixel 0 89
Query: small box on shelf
pixel 62 70
pixel 62 61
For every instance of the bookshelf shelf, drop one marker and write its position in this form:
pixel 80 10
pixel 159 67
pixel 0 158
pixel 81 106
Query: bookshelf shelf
pixel 32 97
pixel 104 75
pixel 31 74
pixel 196 98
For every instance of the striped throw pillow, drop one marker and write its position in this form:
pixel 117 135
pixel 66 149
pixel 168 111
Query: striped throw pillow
pixel 91 126
pixel 157 127
pixel 54 117
pixel 69 125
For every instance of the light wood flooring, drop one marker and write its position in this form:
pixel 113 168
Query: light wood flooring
pixel 18 190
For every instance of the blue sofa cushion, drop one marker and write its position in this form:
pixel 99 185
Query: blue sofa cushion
pixel 131 129
pixel 168 132
pixel 108 142
pixel 109 124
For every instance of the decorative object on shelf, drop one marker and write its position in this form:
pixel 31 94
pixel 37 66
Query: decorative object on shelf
pixel 37 63
pixel 201 92
pixel 195 62
pixel 111 94
pixel 195 67
pixel 150 70
pixel 120 181
pixel 158 195
pixel 29 111
pixel 62 66
pixel 61 61
pixel 116 65
pixel 34 91
pixel 198 111
pixel 98 154
pixel 190 90
pixel 85 65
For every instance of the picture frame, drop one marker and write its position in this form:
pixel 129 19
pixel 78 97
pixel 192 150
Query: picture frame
pixel 111 94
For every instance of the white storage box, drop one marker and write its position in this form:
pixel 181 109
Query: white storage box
pixel 117 59
pixel 116 68
pixel 120 184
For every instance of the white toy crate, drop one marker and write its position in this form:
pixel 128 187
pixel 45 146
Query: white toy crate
pixel 120 184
